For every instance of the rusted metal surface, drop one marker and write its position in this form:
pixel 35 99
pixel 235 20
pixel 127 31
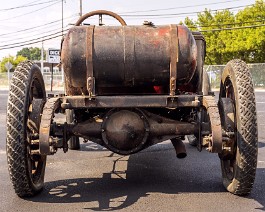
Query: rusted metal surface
pixel 101 12
pixel 179 148
pixel 117 68
pixel 131 58
pixel 197 79
pixel 45 126
pixel 71 102
pixel 173 58
pixel 34 119
pixel 175 128
pixel 215 140
pixel 87 128
pixel 227 114
pixel 127 131
pixel 89 61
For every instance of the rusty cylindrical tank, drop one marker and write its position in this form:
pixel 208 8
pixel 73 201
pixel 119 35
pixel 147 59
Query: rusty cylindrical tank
pixel 127 56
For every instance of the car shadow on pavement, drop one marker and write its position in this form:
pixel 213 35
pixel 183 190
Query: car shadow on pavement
pixel 152 170
pixel 261 144
pixel 258 191
pixel 90 146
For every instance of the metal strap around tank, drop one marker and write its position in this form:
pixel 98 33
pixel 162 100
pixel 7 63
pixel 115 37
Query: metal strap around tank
pixel 89 60
pixel 174 47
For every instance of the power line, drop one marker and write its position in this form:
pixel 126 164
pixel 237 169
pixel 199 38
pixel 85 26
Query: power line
pixel 40 26
pixel 40 33
pixel 58 1
pixel 233 28
pixel 30 43
pixel 55 35
pixel 183 7
pixel 227 24
pixel 39 38
pixel 167 16
pixel 33 41
pixel 191 14
pixel 186 13
pixel 26 5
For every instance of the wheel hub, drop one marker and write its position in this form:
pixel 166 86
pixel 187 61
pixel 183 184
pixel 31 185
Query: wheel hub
pixel 124 131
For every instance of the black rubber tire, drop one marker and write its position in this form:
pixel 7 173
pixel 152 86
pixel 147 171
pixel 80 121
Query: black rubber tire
pixel 26 171
pixel 239 173
pixel 73 143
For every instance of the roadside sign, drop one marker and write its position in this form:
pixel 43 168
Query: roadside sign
pixel 53 55
pixel 8 66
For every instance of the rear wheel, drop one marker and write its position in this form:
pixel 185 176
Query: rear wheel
pixel 25 102
pixel 238 112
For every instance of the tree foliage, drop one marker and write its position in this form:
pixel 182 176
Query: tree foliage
pixel 30 53
pixel 13 60
pixel 224 44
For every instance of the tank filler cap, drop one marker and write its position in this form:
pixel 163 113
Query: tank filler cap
pixel 148 23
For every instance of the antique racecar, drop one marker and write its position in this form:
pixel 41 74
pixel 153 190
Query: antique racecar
pixel 127 88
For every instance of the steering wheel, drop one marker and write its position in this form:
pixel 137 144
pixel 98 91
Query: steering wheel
pixel 100 13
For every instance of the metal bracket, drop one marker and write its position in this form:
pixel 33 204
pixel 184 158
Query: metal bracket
pixel 173 58
pixel 89 61
pixel 215 140
pixel 91 86
pixel 227 114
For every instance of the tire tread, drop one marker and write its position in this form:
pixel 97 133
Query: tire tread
pixel 246 113
pixel 15 146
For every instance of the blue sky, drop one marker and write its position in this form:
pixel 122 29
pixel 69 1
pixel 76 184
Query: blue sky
pixel 39 18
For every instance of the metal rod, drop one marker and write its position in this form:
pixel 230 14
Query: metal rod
pixel 131 101
pixel 52 77
pixel 62 18
pixel 179 147
pixel 80 13
pixel 89 128
pixel 41 65
pixel 100 20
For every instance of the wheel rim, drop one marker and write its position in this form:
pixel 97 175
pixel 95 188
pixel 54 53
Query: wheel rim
pixel 229 165
pixel 36 163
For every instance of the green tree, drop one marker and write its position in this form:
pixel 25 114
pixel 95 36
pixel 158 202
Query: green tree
pixel 30 53
pixel 223 44
pixel 190 24
pixel 13 60
pixel 251 41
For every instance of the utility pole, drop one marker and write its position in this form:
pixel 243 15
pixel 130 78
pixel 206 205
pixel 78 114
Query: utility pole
pixel 52 77
pixel 62 18
pixel 80 8
pixel 41 63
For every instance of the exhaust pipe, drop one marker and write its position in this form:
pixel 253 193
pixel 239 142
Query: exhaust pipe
pixel 179 147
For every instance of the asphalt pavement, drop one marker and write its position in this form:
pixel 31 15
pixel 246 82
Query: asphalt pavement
pixel 94 179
